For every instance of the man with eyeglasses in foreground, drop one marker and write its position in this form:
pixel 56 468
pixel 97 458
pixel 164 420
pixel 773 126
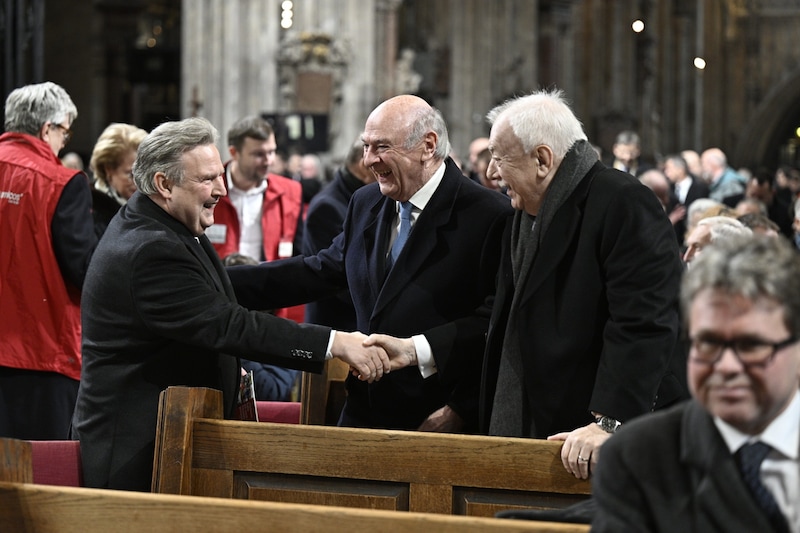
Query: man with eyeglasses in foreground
pixel 46 241
pixel 728 459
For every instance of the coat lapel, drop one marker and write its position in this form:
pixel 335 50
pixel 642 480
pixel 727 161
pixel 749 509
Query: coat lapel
pixel 202 249
pixel 422 241
pixel 376 237
pixel 557 239
pixel 718 485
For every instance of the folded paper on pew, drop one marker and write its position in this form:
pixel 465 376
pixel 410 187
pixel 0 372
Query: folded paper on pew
pixel 246 400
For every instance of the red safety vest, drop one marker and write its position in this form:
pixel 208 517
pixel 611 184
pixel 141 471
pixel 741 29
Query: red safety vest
pixel 40 323
pixel 282 206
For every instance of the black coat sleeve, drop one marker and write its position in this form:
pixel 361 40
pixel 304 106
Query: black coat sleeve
pixel 72 227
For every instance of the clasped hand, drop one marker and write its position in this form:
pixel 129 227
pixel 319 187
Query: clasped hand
pixel 368 360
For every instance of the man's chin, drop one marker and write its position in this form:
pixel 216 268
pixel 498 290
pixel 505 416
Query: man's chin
pixel 388 189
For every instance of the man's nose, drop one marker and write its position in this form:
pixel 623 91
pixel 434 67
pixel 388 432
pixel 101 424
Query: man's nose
pixel 219 186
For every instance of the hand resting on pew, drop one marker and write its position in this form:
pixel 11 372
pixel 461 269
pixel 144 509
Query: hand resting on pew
pixel 581 449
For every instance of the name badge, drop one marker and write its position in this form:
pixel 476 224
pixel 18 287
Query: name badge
pixel 285 249
pixel 217 233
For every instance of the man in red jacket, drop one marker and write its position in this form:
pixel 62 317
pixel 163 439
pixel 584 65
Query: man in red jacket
pixel 46 243
pixel 262 215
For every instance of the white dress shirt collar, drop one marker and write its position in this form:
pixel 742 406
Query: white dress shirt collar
pixel 421 198
pixel 783 434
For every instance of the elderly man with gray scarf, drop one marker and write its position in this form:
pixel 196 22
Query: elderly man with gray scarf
pixel 584 334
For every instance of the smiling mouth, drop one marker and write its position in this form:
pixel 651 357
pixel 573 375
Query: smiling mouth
pixel 732 393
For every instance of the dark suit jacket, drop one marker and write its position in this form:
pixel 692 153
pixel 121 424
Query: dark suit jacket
pixel 672 471
pixel 324 222
pixel 598 321
pixel 698 189
pixel 158 310
pixel 437 287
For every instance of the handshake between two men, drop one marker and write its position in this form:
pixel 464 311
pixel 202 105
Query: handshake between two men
pixel 371 357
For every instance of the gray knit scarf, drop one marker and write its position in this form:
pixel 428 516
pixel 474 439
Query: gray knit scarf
pixel 511 411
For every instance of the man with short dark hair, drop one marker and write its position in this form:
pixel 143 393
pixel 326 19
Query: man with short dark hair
pixel 262 214
pixel 728 459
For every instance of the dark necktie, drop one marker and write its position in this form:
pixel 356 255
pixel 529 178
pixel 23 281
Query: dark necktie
pixel 749 457
pixel 403 232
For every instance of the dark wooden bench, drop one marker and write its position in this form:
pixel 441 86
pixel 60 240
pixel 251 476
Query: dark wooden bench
pixel 28 507
pixel 198 453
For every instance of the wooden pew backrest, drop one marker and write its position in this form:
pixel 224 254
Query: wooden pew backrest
pixel 200 454
pixel 45 462
pixel 15 461
pixel 35 508
pixel 322 396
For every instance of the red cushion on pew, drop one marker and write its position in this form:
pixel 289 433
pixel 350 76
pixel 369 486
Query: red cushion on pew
pixel 57 462
pixel 281 412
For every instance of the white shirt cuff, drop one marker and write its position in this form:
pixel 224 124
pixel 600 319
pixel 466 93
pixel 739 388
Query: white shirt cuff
pixel 425 361
pixel 328 353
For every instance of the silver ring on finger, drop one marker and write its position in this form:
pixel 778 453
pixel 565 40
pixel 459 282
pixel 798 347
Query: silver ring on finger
pixel 582 459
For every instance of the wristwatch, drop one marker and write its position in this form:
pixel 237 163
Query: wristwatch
pixel 608 424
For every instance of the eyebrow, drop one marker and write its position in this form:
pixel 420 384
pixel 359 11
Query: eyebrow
pixel 375 141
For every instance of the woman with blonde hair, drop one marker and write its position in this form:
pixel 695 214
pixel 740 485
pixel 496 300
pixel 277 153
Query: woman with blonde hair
pixel 112 165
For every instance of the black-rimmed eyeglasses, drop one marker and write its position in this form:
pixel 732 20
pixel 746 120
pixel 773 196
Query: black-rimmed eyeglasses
pixel 66 131
pixel 750 351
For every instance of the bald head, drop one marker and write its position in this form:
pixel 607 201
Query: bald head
pixel 401 109
pixel 413 118
pixel 713 162
pixel 405 141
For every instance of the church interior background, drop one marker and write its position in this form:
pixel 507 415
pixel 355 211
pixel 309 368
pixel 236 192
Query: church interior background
pixel 684 74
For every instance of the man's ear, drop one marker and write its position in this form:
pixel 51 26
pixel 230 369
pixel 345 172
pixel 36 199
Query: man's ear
pixel 429 142
pixel 544 154
pixel 163 184
pixel 233 151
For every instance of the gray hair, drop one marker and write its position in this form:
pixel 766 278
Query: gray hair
pixel 754 267
pixel 628 137
pixel 162 150
pixel 722 227
pixel 701 205
pixel 30 107
pixel 429 120
pixel 542 117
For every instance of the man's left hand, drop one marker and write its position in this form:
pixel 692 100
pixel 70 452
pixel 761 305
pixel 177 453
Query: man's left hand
pixel 443 420
pixel 581 449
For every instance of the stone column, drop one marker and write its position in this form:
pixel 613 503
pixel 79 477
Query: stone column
pixel 229 50
pixel 386 46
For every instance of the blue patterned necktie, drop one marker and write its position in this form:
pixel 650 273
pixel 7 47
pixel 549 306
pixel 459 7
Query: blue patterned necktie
pixel 749 457
pixel 403 232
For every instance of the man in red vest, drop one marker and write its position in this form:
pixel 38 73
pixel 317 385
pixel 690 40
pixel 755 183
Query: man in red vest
pixel 47 238
pixel 262 215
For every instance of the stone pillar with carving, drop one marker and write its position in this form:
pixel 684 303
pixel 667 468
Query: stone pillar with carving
pixel 312 68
